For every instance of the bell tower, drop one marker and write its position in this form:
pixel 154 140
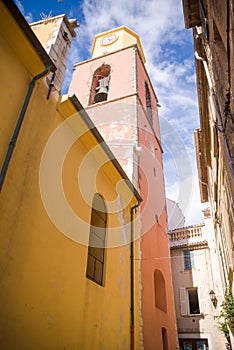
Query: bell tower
pixel 115 89
pixel 55 34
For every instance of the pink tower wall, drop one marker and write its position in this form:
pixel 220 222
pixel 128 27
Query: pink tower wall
pixel 115 118
pixel 122 78
pixel 122 120
pixel 154 241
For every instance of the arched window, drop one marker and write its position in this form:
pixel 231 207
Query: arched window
pixel 97 240
pixel 100 84
pixel 160 291
pixel 148 103
pixel 164 339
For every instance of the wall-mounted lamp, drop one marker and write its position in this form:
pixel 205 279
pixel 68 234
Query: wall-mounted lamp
pixel 213 298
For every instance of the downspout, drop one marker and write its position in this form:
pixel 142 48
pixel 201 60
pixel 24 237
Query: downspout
pixel 220 124
pixel 199 58
pixel 132 325
pixel 18 125
pixel 51 85
pixel 227 110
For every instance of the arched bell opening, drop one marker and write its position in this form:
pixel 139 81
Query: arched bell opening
pixel 100 84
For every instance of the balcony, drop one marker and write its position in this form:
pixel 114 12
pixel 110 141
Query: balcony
pixel 187 237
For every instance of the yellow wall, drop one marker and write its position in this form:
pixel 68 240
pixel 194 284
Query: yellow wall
pixel 45 32
pixel 46 300
pixel 15 77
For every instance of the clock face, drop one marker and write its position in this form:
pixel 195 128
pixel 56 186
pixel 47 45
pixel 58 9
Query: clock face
pixel 109 39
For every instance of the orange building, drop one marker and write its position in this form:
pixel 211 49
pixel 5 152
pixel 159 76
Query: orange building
pixel 115 89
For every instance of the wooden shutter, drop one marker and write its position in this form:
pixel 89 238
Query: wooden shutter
pixel 183 302
pixel 202 300
pixel 192 259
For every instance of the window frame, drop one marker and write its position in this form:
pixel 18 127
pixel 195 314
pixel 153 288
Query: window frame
pixel 96 255
pixel 148 102
pixel 184 300
pixel 189 261
pixel 192 289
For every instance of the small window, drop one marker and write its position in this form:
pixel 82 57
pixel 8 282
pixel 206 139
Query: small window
pixel 188 260
pixel 65 36
pixel 148 103
pixel 97 239
pixel 193 302
pixel 64 50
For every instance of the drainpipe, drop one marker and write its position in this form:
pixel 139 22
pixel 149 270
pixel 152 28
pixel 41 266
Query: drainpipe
pixel 220 124
pixel 51 85
pixel 199 58
pixel 132 326
pixel 18 125
pixel 227 110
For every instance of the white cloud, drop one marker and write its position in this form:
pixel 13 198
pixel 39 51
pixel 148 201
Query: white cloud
pixel 188 198
pixel 169 53
pixel 156 22
pixel 28 16
pixel 170 65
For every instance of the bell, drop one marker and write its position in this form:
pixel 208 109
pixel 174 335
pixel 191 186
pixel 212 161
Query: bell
pixel 101 95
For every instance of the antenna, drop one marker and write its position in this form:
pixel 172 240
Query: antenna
pixel 45 17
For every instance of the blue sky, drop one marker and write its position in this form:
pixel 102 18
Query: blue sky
pixel 168 48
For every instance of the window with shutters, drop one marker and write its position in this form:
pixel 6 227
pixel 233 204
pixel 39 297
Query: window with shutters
pixel 183 301
pixel 188 260
pixel 192 301
pixel 202 299
pixel 97 239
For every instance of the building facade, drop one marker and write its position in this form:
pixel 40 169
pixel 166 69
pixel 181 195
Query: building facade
pixel 55 35
pixel 198 286
pixel 212 24
pixel 115 89
pixel 67 209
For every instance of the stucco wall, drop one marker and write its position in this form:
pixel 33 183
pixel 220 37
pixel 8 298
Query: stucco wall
pixel 47 301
